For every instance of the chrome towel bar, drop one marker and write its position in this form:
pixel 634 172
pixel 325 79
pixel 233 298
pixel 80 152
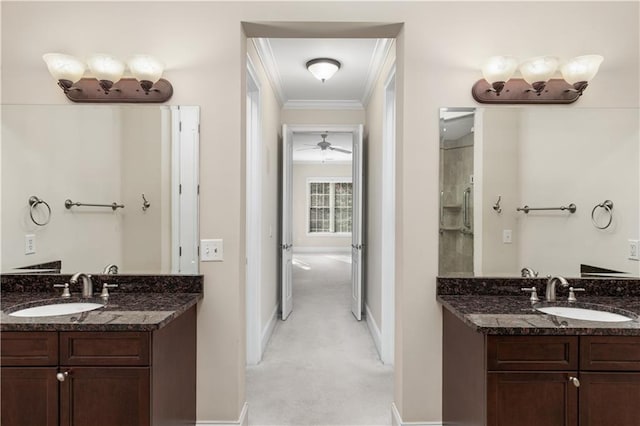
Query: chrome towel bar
pixel 571 207
pixel 68 204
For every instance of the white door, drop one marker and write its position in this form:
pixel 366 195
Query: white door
pixel 356 231
pixel 287 220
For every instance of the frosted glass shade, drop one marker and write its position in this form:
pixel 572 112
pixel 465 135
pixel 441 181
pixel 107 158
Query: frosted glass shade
pixel 106 67
pixel 323 69
pixel 538 69
pixel 145 68
pixel 499 68
pixel 64 67
pixel 581 68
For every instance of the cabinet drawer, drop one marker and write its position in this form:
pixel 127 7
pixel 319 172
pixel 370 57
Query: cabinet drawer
pixel 104 348
pixel 610 353
pixel 29 348
pixel 506 353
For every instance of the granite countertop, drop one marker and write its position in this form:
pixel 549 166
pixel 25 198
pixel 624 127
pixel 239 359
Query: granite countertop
pixel 140 303
pixel 497 306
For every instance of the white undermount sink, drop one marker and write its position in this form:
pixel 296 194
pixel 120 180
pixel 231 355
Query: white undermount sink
pixel 56 309
pixel 583 314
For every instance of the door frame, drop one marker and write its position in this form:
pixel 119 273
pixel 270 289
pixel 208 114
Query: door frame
pixel 253 216
pixel 388 237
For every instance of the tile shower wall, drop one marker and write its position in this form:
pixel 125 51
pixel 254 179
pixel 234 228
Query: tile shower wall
pixel 456 238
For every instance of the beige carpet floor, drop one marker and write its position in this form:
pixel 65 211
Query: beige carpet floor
pixel 321 366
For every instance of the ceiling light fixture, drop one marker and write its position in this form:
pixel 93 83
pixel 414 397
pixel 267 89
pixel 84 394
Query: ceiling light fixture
pixel 107 84
pixel 323 68
pixel 536 84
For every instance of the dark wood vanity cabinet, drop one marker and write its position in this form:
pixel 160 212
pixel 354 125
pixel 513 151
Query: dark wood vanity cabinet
pixel 100 378
pixel 539 380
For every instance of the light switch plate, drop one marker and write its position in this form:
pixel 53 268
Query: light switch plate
pixel 30 244
pixel 634 249
pixel 507 236
pixel 211 250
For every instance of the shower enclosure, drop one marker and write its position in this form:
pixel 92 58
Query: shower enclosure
pixel 456 191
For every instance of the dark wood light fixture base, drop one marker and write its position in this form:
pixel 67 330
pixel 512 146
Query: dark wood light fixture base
pixel 126 90
pixel 518 91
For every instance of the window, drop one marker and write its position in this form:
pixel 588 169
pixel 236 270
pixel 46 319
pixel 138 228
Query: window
pixel 330 206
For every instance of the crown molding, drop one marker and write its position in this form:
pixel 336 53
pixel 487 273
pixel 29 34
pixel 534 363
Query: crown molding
pixel 380 53
pixel 323 104
pixel 268 60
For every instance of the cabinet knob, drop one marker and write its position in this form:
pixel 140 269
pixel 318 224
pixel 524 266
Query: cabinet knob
pixel 62 376
pixel 575 381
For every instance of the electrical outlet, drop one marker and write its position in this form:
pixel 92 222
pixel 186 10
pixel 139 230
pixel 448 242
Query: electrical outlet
pixel 634 249
pixel 30 244
pixel 211 251
pixel 506 236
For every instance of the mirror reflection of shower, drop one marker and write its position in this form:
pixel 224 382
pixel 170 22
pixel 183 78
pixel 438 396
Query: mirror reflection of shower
pixel 456 191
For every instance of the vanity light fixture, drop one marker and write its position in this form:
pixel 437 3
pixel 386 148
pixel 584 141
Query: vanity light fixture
pixel 106 84
pixel 536 85
pixel 323 68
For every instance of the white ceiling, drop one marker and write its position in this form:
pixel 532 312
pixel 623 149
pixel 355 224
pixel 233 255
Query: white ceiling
pixel 285 62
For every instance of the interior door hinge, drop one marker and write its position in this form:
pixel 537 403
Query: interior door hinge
pixel 198 189
pixel 180 126
pixel 179 188
pixel 198 251
pixel 198 127
pixel 180 251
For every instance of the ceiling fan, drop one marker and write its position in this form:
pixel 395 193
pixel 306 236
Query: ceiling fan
pixel 323 145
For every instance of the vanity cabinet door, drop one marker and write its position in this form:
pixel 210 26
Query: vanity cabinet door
pixel 105 396
pixel 29 396
pixel 609 399
pixel 531 399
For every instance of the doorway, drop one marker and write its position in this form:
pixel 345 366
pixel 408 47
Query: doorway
pixel 322 201
pixel 384 327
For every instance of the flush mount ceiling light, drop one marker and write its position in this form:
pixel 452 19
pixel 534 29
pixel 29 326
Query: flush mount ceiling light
pixel 536 84
pixel 323 68
pixel 107 84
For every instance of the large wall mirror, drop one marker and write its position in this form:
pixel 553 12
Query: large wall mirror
pixel 496 162
pixel 144 158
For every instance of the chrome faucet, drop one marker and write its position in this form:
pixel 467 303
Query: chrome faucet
pixel 528 273
pixel 550 293
pixel 87 283
pixel 110 269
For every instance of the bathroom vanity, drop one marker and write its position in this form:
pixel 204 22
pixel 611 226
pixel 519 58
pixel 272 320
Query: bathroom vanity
pixel 130 362
pixel 504 363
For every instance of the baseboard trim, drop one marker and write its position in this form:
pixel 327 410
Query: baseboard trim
pixel 322 250
pixel 374 330
pixel 268 329
pixel 396 419
pixel 243 420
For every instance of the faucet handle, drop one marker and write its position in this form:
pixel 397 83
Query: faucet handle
pixel 105 289
pixel 572 294
pixel 65 292
pixel 534 293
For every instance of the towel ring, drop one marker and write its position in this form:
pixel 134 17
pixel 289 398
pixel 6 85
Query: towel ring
pixel 607 205
pixel 33 203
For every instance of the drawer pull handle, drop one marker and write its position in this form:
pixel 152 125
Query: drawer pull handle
pixel 62 376
pixel 575 381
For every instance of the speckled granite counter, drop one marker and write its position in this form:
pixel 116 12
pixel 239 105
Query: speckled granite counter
pixel 140 303
pixel 498 306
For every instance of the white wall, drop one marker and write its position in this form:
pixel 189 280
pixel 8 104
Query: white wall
pixel 439 53
pixel 373 187
pixel 500 178
pixel 271 130
pixel 58 153
pixel 301 238
pixel 322 116
pixel 585 158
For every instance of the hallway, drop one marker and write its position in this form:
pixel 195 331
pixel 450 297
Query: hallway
pixel 320 366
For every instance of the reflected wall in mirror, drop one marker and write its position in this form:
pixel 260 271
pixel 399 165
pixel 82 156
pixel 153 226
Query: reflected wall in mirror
pixel 100 155
pixel 496 160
